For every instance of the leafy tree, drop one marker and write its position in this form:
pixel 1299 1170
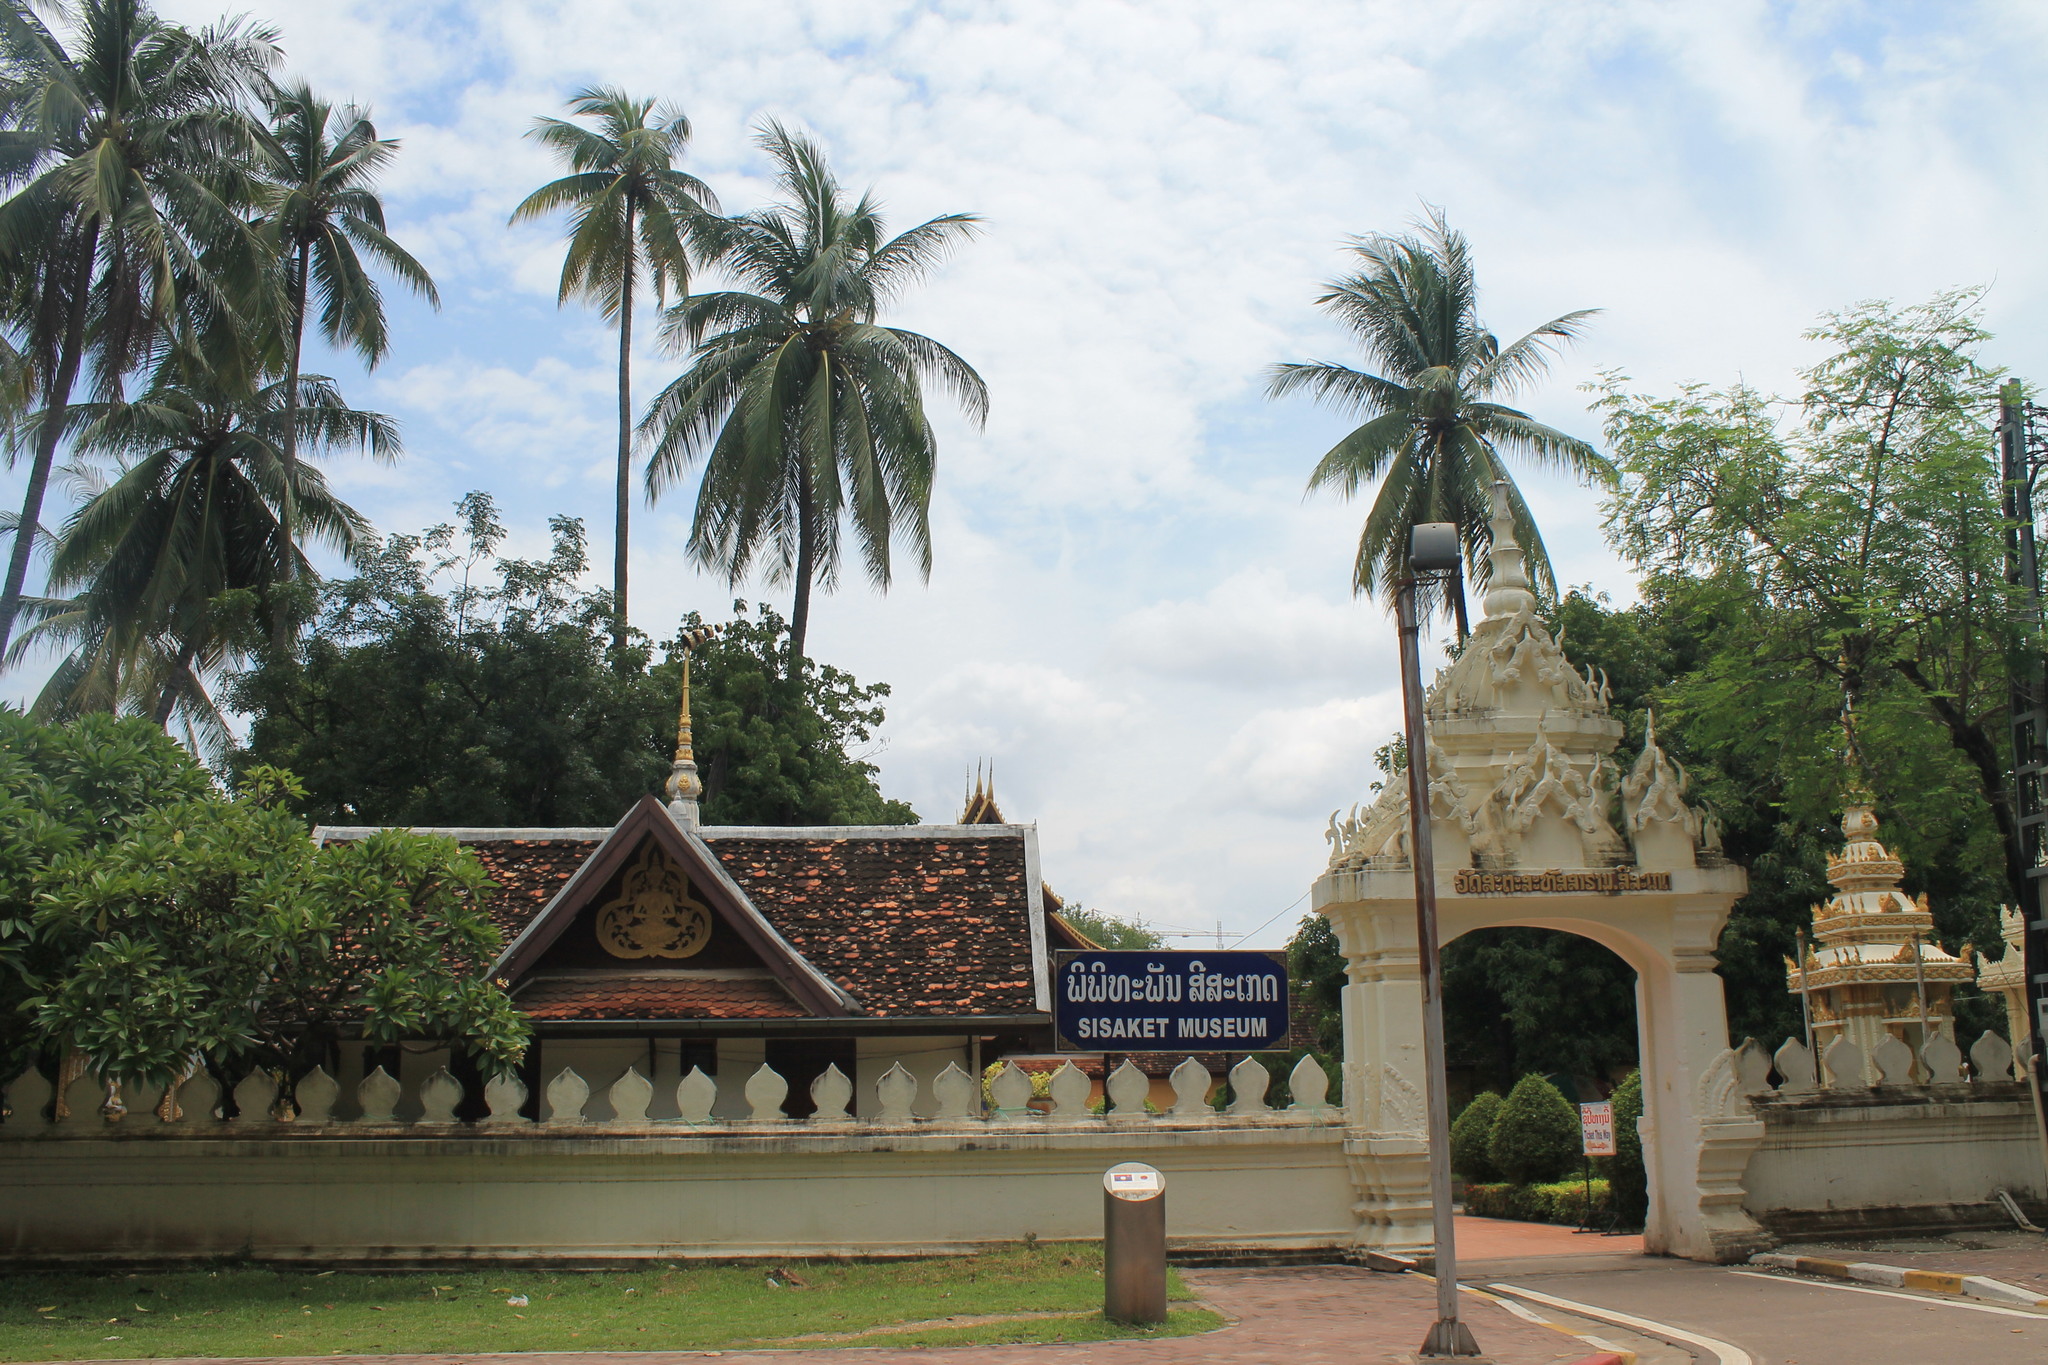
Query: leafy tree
pixel 127 154
pixel 67 790
pixel 1315 966
pixel 195 522
pixel 1848 545
pixel 1112 931
pixel 776 750
pixel 632 212
pixel 802 408
pixel 321 214
pixel 1628 1181
pixel 1472 1139
pixel 151 922
pixel 1536 1136
pixel 443 686
pixel 1518 1000
pixel 1434 430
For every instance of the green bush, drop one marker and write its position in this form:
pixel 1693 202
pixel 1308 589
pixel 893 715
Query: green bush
pixel 1563 1202
pixel 1536 1137
pixel 1631 1183
pixel 1472 1140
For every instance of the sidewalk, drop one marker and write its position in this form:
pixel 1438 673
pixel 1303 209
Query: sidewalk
pixel 2018 1258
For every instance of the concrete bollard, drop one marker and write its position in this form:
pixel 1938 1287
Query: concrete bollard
pixel 1134 1244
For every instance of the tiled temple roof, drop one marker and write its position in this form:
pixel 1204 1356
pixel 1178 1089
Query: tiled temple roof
pixel 909 925
pixel 910 922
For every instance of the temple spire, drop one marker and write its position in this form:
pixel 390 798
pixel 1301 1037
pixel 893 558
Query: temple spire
pixel 684 786
pixel 1507 588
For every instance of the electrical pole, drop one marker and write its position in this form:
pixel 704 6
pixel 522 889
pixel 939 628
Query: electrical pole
pixel 2019 461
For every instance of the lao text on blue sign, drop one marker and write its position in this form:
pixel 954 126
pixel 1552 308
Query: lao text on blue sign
pixel 1143 1001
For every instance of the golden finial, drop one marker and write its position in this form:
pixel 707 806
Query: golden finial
pixel 684 786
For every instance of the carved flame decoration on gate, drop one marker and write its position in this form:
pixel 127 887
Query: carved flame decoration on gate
pixel 654 915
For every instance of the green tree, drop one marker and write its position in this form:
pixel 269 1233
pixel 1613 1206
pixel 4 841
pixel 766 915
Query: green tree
pixel 195 518
pixel 1628 1181
pixel 1106 930
pixel 1847 545
pixel 150 920
pixel 1518 1000
pixel 127 152
pixel 1315 967
pixel 443 685
pixel 777 750
pixel 632 215
pixel 802 408
pixel 321 214
pixel 1434 430
pixel 67 790
pixel 1472 1139
pixel 1536 1136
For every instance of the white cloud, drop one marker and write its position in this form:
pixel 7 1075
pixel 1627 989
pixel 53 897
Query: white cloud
pixel 1133 610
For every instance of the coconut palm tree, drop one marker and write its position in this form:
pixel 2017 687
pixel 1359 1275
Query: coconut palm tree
pixel 157 558
pixel 320 210
pixel 126 152
pixel 803 409
pixel 632 216
pixel 1435 430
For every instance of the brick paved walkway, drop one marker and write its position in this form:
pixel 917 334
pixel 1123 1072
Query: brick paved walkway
pixel 1489 1239
pixel 1309 1315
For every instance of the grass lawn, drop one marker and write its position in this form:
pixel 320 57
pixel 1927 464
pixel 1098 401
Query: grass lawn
pixel 1054 1293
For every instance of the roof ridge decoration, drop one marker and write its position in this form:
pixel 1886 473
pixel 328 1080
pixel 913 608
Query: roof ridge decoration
pixel 649 820
pixel 684 786
pixel 979 807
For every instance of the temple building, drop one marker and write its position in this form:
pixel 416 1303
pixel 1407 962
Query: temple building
pixel 1873 968
pixel 662 946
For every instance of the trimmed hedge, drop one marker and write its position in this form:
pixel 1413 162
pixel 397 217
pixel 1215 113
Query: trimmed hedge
pixel 1472 1140
pixel 1536 1137
pixel 1562 1202
pixel 1631 1182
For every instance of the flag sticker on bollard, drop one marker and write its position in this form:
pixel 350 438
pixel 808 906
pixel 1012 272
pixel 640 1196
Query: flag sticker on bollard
pixel 1133 1180
pixel 1142 1001
pixel 1596 1128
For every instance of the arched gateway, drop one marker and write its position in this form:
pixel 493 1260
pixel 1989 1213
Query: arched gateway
pixel 1522 803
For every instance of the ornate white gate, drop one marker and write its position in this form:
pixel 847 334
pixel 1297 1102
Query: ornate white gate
pixel 1521 799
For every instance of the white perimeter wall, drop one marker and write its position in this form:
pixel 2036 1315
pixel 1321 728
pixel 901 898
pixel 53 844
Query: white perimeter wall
pixel 1870 1154
pixel 575 1195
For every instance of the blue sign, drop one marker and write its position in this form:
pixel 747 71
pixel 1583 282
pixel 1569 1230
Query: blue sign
pixel 1144 1001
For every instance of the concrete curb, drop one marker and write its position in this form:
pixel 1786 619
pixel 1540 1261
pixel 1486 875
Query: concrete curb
pixel 1609 1358
pixel 1899 1277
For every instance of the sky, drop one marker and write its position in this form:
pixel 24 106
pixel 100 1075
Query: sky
pixel 1134 614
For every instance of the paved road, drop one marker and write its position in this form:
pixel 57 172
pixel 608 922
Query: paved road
pixel 1797 1322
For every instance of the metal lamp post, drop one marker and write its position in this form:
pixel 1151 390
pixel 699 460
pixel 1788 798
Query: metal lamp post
pixel 1433 554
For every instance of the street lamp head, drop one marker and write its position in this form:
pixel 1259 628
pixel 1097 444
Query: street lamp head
pixel 1433 547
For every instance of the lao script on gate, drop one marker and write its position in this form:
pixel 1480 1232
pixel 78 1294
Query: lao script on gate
pixel 1607 881
pixel 1145 1001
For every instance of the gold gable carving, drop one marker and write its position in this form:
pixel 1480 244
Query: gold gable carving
pixel 654 914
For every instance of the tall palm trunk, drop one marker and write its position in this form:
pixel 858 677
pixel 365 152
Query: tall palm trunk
pixel 56 403
pixel 167 700
pixel 625 483
pixel 290 508
pixel 806 566
pixel 1457 590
